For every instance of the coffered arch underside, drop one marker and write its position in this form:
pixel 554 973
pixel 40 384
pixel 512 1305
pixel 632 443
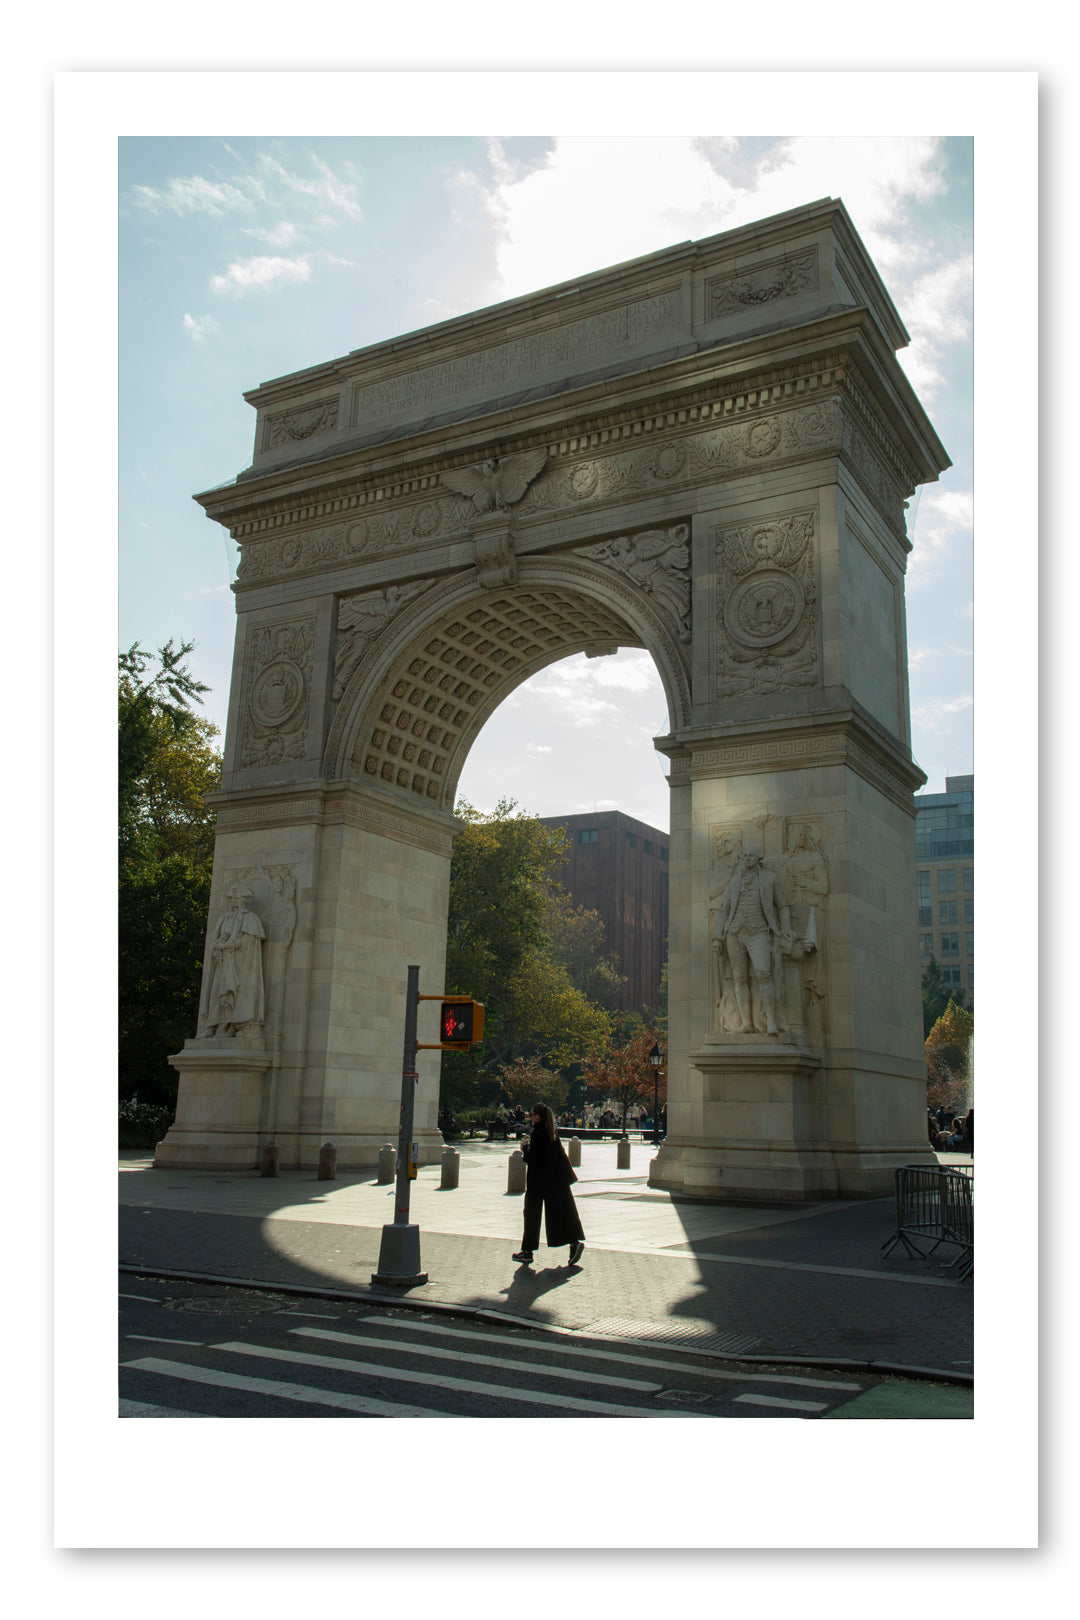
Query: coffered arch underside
pixel 424 690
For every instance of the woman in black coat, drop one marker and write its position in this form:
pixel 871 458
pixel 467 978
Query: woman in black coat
pixel 548 1176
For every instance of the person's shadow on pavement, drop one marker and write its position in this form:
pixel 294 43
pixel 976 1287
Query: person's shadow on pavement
pixel 527 1285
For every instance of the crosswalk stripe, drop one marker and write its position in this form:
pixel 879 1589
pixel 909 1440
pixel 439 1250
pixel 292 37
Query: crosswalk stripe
pixel 153 1338
pixel 564 1349
pixel 466 1386
pixel 366 1405
pixel 474 1359
pixel 143 1409
pixel 778 1400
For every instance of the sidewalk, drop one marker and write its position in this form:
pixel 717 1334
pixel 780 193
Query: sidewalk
pixel 781 1283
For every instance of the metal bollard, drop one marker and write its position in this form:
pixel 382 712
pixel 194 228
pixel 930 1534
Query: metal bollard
pixel 387 1164
pixel 451 1167
pixel 622 1161
pixel 268 1161
pixel 515 1175
pixel 327 1162
pixel 573 1150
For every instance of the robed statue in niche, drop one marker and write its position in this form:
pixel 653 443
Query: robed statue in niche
pixel 235 1002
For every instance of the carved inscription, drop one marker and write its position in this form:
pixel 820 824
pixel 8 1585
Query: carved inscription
pixel 505 365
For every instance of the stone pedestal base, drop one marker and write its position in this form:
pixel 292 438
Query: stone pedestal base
pixel 219 1109
pixel 768 1134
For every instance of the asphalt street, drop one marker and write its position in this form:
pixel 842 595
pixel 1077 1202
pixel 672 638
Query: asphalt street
pixel 200 1350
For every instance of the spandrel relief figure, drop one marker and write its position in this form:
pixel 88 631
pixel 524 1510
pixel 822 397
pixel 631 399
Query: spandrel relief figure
pixel 235 1002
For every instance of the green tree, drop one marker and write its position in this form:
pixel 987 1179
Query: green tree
pixel 577 942
pixel 167 764
pixel 502 878
pixel 935 997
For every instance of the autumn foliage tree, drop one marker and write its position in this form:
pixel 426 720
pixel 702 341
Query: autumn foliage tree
pixel 526 1081
pixel 948 1058
pixel 625 1074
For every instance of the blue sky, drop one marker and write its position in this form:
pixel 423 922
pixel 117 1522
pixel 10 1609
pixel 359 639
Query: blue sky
pixel 241 259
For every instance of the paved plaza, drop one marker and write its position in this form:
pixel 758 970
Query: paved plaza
pixel 805 1281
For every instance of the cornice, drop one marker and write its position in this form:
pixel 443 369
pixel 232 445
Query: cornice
pixel 322 803
pixel 845 736
pixel 346 479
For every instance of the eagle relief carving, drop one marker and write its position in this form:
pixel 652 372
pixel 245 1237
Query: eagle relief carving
pixel 495 484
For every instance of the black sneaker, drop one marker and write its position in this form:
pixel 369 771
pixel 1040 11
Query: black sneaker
pixel 576 1251
pixel 523 1254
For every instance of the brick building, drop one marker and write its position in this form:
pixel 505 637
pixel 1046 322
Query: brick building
pixel 619 867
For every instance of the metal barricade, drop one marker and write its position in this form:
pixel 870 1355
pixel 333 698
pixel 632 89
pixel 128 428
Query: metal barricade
pixel 935 1206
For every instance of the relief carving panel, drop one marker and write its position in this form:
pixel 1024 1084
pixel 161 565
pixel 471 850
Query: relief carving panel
pixel 657 561
pixel 779 278
pixel 768 886
pixel 360 619
pixel 767 618
pixel 279 666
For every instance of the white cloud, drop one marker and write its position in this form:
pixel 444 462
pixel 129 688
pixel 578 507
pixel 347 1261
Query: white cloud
pixel 597 200
pixel 938 715
pixel 537 750
pixel 327 190
pixel 241 276
pixel 194 195
pixel 200 328
pixel 944 521
pixel 281 235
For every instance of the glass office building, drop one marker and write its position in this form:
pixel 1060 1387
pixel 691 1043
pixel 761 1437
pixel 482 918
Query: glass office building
pixel 945 877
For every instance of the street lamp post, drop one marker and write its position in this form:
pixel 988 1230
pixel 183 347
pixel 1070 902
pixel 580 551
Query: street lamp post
pixel 656 1058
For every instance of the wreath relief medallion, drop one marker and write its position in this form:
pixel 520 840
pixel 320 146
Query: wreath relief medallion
pixel 765 608
pixel 277 693
pixel 762 437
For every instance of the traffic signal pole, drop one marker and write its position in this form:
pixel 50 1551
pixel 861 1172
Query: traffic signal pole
pixel 399 1252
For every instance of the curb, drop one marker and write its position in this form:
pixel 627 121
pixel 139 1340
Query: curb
pixel 473 1313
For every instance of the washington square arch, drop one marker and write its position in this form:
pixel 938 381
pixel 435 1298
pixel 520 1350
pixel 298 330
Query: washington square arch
pixel 706 453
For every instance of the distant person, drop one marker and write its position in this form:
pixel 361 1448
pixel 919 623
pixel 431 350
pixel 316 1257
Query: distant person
pixel 548 1177
pixel 968 1133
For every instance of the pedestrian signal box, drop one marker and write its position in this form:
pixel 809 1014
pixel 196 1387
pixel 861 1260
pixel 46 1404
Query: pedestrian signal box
pixel 461 1023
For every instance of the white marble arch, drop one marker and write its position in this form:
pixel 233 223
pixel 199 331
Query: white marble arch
pixel 707 454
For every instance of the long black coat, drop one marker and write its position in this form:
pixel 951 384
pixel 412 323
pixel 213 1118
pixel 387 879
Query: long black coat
pixel 548 1175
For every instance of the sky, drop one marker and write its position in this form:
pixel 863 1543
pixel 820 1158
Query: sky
pixel 246 258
